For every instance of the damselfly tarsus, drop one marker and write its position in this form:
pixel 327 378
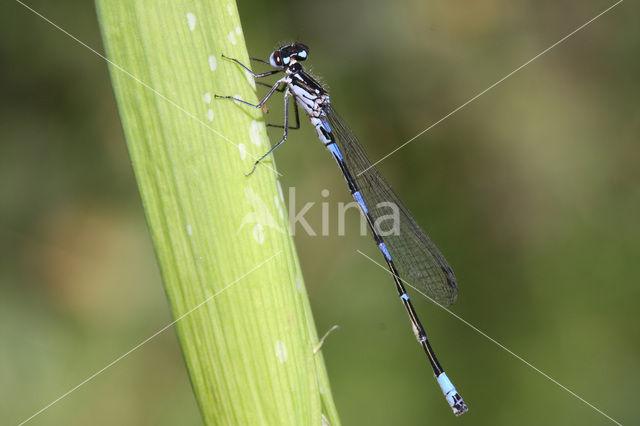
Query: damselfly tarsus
pixel 411 256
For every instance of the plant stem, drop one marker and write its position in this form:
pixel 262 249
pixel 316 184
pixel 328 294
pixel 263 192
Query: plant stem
pixel 229 265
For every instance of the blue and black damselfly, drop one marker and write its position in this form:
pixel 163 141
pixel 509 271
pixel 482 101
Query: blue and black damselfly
pixel 411 256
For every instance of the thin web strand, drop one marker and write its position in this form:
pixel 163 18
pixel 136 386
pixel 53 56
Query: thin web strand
pixel 136 79
pixel 492 86
pixel 115 361
pixel 501 346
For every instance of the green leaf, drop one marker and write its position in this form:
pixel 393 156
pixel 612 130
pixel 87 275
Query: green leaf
pixel 229 265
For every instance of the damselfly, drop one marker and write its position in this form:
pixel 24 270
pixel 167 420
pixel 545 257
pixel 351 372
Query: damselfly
pixel 409 253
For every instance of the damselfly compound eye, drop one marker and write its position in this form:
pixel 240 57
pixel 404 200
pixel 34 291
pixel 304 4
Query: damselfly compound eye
pixel 276 59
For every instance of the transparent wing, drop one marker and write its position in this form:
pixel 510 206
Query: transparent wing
pixel 418 260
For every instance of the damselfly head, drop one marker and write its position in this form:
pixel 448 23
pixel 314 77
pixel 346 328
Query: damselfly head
pixel 288 54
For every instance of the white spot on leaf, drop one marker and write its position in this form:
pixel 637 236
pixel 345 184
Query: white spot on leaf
pixel 250 79
pixel 258 233
pixel 230 9
pixel 213 62
pixel 276 200
pixel 210 114
pixel 280 190
pixel 189 230
pixel 238 30
pixel 243 151
pixel 207 97
pixel 255 133
pixel 191 21
pixel 281 351
pixel 232 37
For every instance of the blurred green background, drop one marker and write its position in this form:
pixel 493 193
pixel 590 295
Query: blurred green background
pixel 532 192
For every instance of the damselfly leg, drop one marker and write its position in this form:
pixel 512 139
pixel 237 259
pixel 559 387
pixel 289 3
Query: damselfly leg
pixel 260 60
pixel 279 89
pixel 285 133
pixel 259 104
pixel 274 88
pixel 261 75
pixel 295 108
